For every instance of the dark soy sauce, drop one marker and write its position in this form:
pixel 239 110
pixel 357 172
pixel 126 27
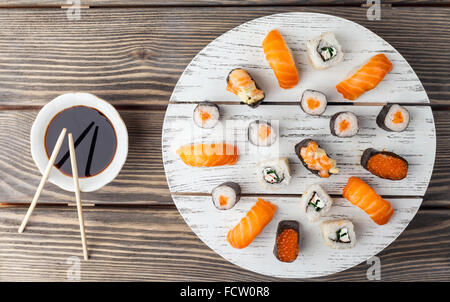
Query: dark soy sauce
pixel 94 138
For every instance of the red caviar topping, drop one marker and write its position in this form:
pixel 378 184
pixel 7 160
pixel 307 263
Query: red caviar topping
pixel 287 243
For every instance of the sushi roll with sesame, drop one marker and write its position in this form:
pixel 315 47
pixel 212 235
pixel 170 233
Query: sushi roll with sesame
pixel 393 117
pixel 206 115
pixel 384 164
pixel 344 124
pixel 313 102
pixel 338 234
pixel 315 159
pixel 315 202
pixel 242 84
pixel 226 195
pixel 324 51
pixel 261 133
pixel 273 174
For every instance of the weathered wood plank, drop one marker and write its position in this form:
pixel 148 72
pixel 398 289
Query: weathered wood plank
pixel 140 63
pixel 156 245
pixel 142 179
pixel 292 125
pixel 121 3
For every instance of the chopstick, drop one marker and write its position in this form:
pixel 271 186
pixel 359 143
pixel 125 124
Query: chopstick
pixel 73 161
pixel 44 179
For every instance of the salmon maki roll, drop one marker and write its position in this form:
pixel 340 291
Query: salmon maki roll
pixel 280 59
pixel 362 195
pixel 242 84
pixel 252 224
pixel 208 155
pixel 366 78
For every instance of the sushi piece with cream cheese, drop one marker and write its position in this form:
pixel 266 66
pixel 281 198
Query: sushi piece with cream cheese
pixel 226 195
pixel 206 115
pixel 338 234
pixel 324 51
pixel 393 117
pixel 315 202
pixel 313 102
pixel 344 124
pixel 274 173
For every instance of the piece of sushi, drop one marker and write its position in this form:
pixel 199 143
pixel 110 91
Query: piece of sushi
pixel 261 133
pixel 280 59
pixel 362 195
pixel 393 117
pixel 287 241
pixel 344 124
pixel 274 173
pixel 208 155
pixel 252 224
pixel 384 164
pixel 240 82
pixel 313 102
pixel 338 234
pixel 206 115
pixel 315 159
pixel 315 202
pixel 366 78
pixel 226 195
pixel 324 51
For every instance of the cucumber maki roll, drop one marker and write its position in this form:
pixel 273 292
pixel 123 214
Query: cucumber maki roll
pixel 274 173
pixel 384 164
pixel 324 51
pixel 315 202
pixel 393 117
pixel 338 234
pixel 315 159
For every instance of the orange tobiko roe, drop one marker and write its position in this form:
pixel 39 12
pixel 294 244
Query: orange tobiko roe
pixel 386 166
pixel 287 243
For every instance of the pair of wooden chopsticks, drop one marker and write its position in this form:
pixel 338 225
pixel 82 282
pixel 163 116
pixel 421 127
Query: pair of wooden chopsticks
pixel 44 179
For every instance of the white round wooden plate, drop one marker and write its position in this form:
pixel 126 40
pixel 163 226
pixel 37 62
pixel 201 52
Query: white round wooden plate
pixel 204 79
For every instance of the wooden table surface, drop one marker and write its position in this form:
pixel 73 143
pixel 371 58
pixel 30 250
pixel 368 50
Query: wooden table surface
pixel 131 53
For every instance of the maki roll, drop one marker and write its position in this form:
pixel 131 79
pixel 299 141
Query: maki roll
pixel 274 173
pixel 393 117
pixel 261 133
pixel 226 195
pixel 384 164
pixel 344 124
pixel 287 241
pixel 313 102
pixel 338 234
pixel 315 159
pixel 206 115
pixel 242 84
pixel 324 51
pixel 315 202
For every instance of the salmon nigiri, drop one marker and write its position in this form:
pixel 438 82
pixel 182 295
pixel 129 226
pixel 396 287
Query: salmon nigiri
pixel 252 224
pixel 366 78
pixel 362 195
pixel 208 155
pixel 280 59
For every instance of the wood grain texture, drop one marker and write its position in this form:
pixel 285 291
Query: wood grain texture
pixel 140 63
pixel 292 125
pixel 142 180
pixel 159 246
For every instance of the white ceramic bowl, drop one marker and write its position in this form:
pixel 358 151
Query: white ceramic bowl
pixel 37 138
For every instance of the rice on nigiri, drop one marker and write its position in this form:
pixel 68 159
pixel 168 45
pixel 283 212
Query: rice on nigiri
pixel 366 78
pixel 261 133
pixel 313 102
pixel 206 115
pixel 252 224
pixel 344 124
pixel 226 195
pixel 280 59
pixel 315 202
pixel 338 234
pixel 393 117
pixel 324 51
pixel 384 164
pixel 240 82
